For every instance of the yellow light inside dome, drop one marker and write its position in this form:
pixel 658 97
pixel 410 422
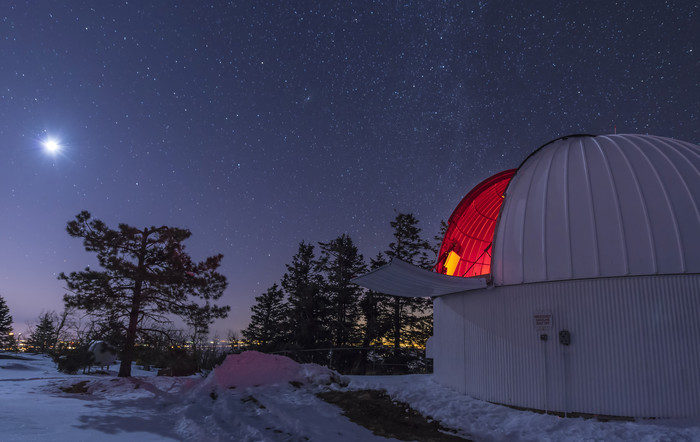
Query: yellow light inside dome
pixel 451 263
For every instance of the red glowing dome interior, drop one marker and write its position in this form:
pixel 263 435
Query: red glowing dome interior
pixel 466 249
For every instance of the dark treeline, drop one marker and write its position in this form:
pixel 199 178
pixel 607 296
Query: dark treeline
pixel 66 337
pixel 315 314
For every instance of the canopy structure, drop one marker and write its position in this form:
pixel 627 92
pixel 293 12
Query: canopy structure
pixel 466 249
pixel 400 278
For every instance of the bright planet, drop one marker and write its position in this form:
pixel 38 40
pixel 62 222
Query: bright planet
pixel 51 145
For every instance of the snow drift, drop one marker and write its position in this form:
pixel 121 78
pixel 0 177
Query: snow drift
pixel 254 369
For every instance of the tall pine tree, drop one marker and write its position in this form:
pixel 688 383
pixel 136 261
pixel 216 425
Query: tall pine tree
pixel 268 328
pixel 146 275
pixel 376 312
pixel 376 309
pixel 411 317
pixel 7 340
pixel 340 261
pixel 308 307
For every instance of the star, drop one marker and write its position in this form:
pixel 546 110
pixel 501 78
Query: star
pixel 51 145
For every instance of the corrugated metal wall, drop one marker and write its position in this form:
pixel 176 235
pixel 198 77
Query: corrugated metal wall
pixel 635 345
pixel 448 342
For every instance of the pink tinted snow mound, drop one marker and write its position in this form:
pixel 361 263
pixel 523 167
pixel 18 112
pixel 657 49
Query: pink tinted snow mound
pixel 252 369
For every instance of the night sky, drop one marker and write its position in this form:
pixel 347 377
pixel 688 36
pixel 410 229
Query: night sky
pixel 261 124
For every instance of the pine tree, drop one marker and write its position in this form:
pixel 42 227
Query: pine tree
pixel 7 340
pixel 410 315
pixel 267 330
pixel 111 327
pixel 376 311
pixel 340 261
pixel 408 245
pixel 437 240
pixel 43 337
pixel 146 276
pixel 308 308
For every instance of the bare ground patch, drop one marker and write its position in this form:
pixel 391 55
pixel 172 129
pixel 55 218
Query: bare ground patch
pixel 77 388
pixel 376 411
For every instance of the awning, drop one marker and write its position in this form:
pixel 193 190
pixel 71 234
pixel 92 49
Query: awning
pixel 400 278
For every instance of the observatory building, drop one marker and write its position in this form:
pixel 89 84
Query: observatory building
pixel 572 283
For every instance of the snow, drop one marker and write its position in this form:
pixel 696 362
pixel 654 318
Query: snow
pixel 258 397
pixel 252 368
pixel 484 421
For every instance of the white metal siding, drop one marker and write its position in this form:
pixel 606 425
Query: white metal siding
pixel 635 345
pixel 448 342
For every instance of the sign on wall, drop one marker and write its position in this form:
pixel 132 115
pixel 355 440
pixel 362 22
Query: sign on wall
pixel 543 320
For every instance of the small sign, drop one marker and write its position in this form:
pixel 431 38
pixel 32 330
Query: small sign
pixel 543 321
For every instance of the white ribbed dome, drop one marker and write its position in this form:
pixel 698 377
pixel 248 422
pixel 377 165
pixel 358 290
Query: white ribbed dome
pixel 589 207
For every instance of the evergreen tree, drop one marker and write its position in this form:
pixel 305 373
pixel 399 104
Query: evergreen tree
pixel 146 276
pixel 339 262
pixel 267 330
pixel 410 314
pixel 376 311
pixel 307 305
pixel 408 245
pixel 43 337
pixel 437 240
pixel 111 327
pixel 7 340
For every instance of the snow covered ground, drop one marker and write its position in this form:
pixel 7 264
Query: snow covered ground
pixel 256 397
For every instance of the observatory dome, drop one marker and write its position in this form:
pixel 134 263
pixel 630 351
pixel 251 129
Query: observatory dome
pixel 587 206
pixel 466 248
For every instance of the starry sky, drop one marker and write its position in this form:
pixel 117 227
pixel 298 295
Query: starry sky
pixel 261 124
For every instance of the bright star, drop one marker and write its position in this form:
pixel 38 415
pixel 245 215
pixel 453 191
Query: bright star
pixel 51 145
